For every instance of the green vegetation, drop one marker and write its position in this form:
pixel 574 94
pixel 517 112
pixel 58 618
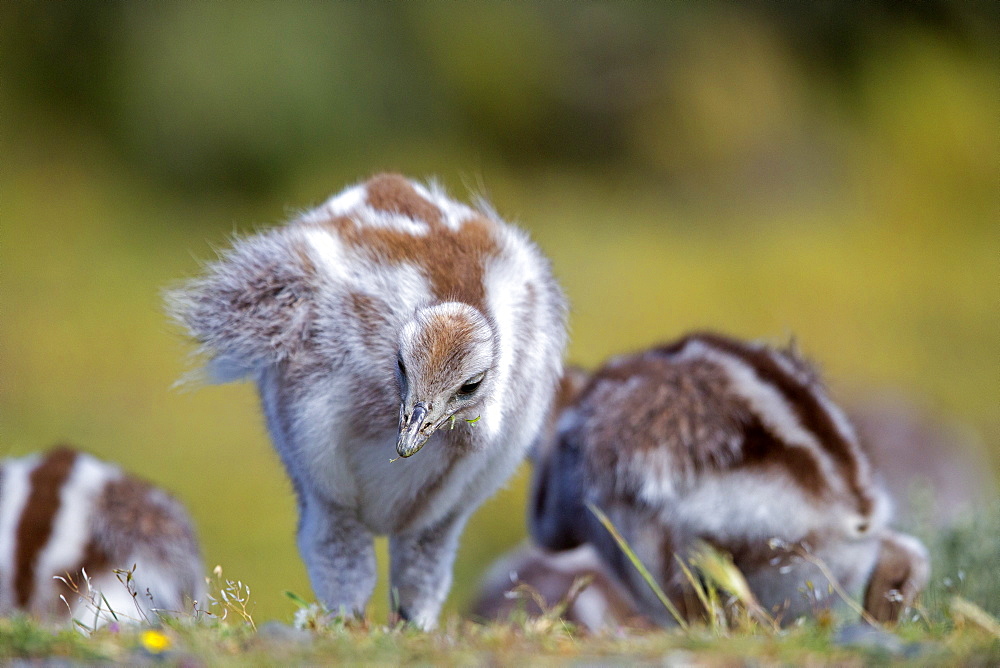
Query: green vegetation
pixel 946 629
pixel 762 170
pixel 464 643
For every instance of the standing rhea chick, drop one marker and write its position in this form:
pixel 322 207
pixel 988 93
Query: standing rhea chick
pixel 388 322
pixel 66 516
pixel 735 444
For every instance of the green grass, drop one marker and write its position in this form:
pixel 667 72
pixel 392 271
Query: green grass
pixel 959 638
pixel 947 627
pixel 964 561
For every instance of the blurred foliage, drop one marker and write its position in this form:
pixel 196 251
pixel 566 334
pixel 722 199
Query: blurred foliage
pixel 823 169
pixel 202 96
pixel 964 557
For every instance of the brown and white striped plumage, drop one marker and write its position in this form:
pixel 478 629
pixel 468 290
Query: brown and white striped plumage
pixel 733 443
pixel 387 320
pixel 66 512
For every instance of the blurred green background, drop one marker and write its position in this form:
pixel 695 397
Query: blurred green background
pixel 824 169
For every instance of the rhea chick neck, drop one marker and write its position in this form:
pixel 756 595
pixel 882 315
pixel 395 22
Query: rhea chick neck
pixel 445 366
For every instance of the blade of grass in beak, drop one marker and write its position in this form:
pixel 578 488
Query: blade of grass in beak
pixel 639 566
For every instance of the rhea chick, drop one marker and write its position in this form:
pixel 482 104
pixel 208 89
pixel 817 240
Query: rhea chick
pixel 390 322
pixel 735 444
pixel 68 521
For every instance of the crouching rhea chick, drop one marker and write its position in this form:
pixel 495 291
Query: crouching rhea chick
pixel 735 444
pixel 391 322
pixel 67 517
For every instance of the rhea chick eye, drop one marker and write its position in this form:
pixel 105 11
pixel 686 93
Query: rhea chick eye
pixel 472 384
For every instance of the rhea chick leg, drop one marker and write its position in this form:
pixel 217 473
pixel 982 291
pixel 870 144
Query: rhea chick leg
pixel 420 570
pixel 340 556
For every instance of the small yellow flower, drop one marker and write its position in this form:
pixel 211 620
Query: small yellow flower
pixel 155 642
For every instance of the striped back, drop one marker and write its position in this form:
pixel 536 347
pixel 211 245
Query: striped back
pixel 65 513
pixel 656 426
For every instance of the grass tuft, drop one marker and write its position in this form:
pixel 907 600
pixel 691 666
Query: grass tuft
pixel 956 626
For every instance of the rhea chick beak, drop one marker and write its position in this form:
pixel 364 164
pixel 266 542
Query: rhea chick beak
pixel 414 430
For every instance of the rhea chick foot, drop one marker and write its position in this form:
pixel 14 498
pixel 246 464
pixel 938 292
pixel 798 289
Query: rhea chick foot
pixel 406 348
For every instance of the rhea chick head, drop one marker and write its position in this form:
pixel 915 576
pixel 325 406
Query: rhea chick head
pixel 446 366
